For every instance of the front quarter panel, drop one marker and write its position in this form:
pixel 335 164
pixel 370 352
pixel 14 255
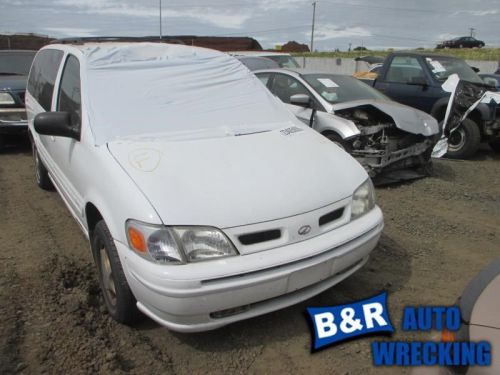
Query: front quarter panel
pixel 328 122
pixel 110 189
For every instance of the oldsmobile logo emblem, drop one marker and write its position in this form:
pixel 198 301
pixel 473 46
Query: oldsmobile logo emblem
pixel 304 230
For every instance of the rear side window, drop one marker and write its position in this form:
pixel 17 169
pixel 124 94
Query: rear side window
pixel 43 76
pixel 69 90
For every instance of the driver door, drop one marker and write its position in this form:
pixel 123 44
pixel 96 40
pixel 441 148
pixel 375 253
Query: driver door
pixel 66 152
pixel 405 82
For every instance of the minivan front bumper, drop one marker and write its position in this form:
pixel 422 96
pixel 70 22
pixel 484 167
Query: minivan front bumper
pixel 182 299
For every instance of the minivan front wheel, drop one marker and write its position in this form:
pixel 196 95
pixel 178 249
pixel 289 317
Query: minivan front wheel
pixel 119 300
pixel 464 141
pixel 41 174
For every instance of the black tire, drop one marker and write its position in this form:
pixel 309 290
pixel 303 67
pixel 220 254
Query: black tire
pixel 118 298
pixel 41 174
pixel 495 145
pixel 464 142
pixel 337 139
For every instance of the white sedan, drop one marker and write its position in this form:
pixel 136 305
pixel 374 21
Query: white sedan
pixel 204 199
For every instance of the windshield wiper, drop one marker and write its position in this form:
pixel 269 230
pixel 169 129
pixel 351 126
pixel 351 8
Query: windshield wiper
pixel 11 74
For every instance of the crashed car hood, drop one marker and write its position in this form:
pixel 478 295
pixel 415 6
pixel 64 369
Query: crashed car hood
pixel 406 118
pixel 238 180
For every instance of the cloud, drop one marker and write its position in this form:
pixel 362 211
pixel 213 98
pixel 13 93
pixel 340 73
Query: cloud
pixel 477 13
pixel 203 13
pixel 446 36
pixel 330 31
pixel 282 4
pixel 485 12
pixel 70 31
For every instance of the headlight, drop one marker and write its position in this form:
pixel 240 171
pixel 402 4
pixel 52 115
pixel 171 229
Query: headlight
pixel 177 245
pixel 6 99
pixel 363 199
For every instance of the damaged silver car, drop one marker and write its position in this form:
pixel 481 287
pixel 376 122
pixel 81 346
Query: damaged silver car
pixel 392 141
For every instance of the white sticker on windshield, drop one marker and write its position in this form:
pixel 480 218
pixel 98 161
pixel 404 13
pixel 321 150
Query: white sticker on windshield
pixel 327 82
pixel 438 68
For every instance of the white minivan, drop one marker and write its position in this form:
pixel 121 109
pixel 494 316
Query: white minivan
pixel 204 199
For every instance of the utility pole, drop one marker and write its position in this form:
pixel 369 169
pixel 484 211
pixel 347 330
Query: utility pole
pixel 472 31
pixel 160 20
pixel 312 29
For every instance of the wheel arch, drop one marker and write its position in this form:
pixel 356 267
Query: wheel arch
pixel 330 131
pixel 92 217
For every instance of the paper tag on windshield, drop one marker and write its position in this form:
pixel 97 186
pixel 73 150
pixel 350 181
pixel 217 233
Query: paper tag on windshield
pixel 438 68
pixel 327 82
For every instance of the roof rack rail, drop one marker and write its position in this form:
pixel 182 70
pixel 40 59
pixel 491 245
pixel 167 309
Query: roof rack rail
pixel 82 40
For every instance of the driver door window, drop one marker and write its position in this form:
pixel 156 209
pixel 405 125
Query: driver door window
pixel 405 69
pixel 69 99
pixel 285 86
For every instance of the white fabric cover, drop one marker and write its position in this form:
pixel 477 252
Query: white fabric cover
pixel 173 90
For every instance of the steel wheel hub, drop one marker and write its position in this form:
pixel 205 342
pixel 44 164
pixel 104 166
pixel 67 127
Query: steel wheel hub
pixel 457 139
pixel 107 276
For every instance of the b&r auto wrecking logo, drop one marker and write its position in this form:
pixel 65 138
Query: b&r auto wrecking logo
pixel 339 323
pixel 331 325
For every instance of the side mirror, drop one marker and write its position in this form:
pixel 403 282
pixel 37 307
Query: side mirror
pixel 56 124
pixel 302 100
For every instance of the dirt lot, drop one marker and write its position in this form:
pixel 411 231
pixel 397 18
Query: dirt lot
pixel 439 232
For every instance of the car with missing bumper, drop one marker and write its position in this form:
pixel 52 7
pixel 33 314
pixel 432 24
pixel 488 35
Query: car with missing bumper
pixel 14 70
pixel 183 172
pixel 392 141
pixel 416 79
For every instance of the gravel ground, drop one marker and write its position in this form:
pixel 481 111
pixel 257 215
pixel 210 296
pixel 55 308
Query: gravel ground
pixel 440 231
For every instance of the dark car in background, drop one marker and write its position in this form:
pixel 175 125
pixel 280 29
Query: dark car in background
pixel 14 69
pixel 461 42
pixel 416 79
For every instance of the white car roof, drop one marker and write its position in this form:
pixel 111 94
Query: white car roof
pixel 140 89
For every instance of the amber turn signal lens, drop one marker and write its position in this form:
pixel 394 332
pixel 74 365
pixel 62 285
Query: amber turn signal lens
pixel 447 336
pixel 137 240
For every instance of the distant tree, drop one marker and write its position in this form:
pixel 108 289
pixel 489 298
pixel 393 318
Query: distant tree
pixel 360 48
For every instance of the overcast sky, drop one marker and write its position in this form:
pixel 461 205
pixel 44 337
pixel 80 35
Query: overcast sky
pixel 374 24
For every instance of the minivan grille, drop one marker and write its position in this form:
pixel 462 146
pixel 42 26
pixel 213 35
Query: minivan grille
pixel 331 216
pixel 258 237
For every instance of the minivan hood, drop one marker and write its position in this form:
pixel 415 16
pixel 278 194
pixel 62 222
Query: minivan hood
pixel 238 180
pixel 405 118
